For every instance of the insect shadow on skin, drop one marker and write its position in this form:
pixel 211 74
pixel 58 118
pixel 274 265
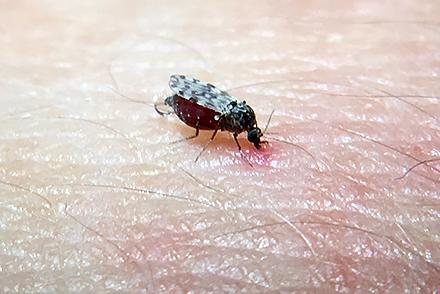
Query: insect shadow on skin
pixel 205 107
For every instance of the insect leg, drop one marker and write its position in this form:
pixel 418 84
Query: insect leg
pixel 160 111
pixel 236 141
pixel 206 145
pixel 169 102
pixel 241 152
pixel 190 137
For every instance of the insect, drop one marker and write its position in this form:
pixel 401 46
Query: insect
pixel 205 107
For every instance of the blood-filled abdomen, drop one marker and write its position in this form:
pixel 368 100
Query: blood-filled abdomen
pixel 193 114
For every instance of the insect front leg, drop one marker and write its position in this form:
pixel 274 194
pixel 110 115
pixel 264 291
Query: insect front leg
pixel 206 145
pixel 241 152
pixel 236 141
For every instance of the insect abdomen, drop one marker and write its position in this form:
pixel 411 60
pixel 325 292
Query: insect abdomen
pixel 193 114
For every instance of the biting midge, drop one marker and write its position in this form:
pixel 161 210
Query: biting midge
pixel 204 107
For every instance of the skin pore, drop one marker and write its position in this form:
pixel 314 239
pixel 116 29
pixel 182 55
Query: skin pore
pixel 345 197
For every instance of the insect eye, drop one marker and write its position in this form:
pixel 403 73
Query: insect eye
pixel 254 135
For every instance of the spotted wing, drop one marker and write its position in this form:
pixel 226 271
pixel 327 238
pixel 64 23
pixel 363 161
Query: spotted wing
pixel 200 92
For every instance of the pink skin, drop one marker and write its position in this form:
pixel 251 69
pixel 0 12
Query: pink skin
pixel 94 198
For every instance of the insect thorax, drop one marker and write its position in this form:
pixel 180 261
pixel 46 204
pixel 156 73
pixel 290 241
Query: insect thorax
pixel 239 118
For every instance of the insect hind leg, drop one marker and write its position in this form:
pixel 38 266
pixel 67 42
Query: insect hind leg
pixel 160 112
pixel 167 102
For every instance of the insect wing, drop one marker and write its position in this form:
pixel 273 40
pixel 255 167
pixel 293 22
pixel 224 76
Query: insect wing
pixel 200 92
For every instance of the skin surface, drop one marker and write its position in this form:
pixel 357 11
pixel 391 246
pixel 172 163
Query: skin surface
pixel 94 198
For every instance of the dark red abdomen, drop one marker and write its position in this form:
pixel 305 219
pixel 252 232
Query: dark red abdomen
pixel 194 114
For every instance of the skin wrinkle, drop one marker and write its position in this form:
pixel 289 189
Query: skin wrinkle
pixel 428 178
pixel 296 230
pixel 379 96
pixel 91 122
pixel 295 145
pixel 376 22
pixel 20 187
pixel 143 36
pixel 321 223
pixel 290 187
pixel 412 105
pixel 140 190
pixel 121 251
pixel 381 144
pixel 229 195
pixel 151 36
pixel 338 225
pixel 27 111
pixel 388 95
pixel 126 256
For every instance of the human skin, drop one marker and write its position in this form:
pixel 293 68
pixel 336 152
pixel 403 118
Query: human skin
pixel 95 197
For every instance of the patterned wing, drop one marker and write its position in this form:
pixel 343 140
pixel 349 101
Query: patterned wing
pixel 200 92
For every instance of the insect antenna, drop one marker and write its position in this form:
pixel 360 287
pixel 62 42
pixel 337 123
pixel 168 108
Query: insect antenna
pixel 134 100
pixel 268 121
pixel 131 99
pixel 115 89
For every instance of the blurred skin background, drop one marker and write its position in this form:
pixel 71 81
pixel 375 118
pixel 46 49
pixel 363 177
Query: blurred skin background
pixel 94 198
